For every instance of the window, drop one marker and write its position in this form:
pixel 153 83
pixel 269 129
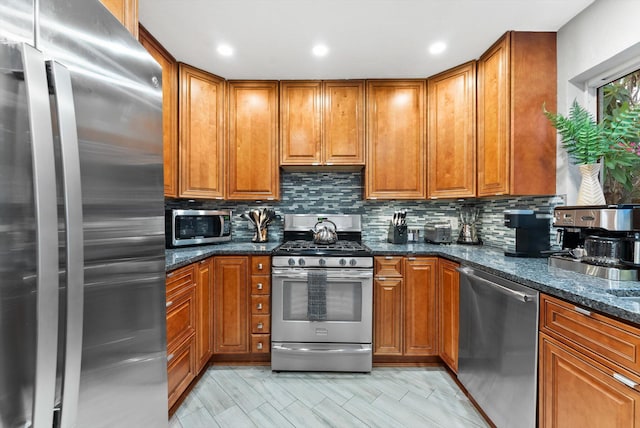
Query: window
pixel 620 94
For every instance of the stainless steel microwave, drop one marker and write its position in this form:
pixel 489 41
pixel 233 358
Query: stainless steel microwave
pixel 197 227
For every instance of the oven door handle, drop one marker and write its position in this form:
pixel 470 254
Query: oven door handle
pixel 309 348
pixel 330 275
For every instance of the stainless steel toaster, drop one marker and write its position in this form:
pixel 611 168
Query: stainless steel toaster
pixel 438 232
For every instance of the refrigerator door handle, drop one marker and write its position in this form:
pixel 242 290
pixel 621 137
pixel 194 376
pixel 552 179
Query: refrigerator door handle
pixel 46 214
pixel 66 114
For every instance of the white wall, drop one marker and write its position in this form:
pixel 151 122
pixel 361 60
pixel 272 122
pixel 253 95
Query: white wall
pixel 601 41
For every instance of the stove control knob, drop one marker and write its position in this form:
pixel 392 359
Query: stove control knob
pixel 342 262
pixel 353 262
pixel 301 262
pixel 322 262
pixel 291 262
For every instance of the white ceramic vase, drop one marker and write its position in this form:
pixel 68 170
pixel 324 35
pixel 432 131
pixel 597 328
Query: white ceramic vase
pixel 590 192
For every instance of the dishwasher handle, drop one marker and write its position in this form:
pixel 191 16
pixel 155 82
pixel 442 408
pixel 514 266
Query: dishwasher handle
pixel 523 297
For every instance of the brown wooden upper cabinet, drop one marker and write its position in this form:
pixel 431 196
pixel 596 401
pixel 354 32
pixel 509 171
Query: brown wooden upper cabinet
pixel 201 119
pixel 169 109
pixel 516 142
pixel 253 140
pixel 396 163
pixel 451 132
pixel 322 122
pixel 126 11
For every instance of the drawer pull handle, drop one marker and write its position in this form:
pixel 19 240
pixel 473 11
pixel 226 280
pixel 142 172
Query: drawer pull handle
pixel 203 261
pixel 170 357
pixel 259 266
pixel 259 286
pixel 411 258
pixel 582 311
pixel 260 326
pixel 259 346
pixel 388 257
pixel 170 274
pixel 169 303
pixel 382 278
pixel 625 380
pixel 259 306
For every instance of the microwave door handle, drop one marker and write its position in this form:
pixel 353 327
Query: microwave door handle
pixel 61 81
pixel 46 218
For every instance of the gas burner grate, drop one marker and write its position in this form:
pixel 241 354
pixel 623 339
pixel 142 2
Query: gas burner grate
pixel 304 245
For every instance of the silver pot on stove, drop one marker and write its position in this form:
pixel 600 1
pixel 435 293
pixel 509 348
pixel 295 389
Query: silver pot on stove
pixel 323 233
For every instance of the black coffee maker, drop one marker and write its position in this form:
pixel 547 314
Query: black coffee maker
pixel 532 232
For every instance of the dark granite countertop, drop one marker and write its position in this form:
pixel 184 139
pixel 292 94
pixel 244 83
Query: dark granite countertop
pixel 598 294
pixel 179 257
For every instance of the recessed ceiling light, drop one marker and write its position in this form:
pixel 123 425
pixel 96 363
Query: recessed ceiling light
pixel 225 50
pixel 437 48
pixel 320 50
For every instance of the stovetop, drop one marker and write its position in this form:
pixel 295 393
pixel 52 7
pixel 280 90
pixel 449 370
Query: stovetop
pixel 341 248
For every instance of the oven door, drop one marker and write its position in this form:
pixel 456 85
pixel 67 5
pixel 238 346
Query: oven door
pixel 349 307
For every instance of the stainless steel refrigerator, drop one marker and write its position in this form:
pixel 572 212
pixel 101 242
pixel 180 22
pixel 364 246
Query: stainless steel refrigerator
pixel 82 298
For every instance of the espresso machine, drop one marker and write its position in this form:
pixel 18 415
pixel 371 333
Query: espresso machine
pixel 602 241
pixel 532 232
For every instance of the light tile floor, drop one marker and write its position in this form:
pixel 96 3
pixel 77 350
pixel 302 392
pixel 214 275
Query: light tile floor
pixel 387 397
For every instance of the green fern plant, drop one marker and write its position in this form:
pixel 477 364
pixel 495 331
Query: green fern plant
pixel 581 136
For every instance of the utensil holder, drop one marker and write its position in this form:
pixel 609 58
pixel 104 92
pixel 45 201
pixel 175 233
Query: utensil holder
pixel 261 234
pixel 397 234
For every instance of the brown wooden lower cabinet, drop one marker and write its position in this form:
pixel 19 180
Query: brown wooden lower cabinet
pixel 404 307
pixel 204 315
pixel 576 391
pixel 181 369
pixel 230 305
pixel 448 312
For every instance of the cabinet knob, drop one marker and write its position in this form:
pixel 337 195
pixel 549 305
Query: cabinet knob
pixel 259 266
pixel 259 306
pixel 170 357
pixel 169 303
pixel 259 346
pixel 259 326
pixel 259 286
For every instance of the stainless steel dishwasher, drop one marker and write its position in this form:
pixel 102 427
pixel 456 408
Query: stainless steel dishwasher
pixel 498 349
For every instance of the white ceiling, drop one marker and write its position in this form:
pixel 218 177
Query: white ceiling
pixel 272 39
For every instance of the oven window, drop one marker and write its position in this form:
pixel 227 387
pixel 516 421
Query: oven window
pixel 343 300
pixel 189 227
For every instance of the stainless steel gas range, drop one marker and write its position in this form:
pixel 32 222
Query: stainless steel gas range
pixel 322 297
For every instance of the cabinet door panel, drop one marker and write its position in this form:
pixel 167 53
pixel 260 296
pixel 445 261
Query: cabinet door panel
pixel 204 337
pixel 126 11
pixel 396 139
pixel 181 369
pixel 253 140
pixel 181 317
pixel 230 300
pixel 387 315
pixel 420 306
pixel 300 121
pixel 452 138
pixel 494 105
pixel 448 312
pixel 343 122
pixel 201 134
pixel 578 392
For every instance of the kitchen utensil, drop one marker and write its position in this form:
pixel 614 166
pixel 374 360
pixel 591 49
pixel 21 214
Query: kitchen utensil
pixel 260 219
pixel 323 233
pixel 469 215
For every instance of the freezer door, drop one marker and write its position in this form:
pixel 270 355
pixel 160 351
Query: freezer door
pixel 118 103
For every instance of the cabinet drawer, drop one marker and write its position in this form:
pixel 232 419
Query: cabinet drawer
pixel 388 266
pixel 260 324
pixel 181 317
pixel 178 279
pixel 181 369
pixel 261 265
pixel 599 336
pixel 260 284
pixel 260 343
pixel 260 305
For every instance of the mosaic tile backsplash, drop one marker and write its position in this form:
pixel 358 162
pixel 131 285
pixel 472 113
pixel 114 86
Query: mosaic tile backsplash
pixel 342 193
